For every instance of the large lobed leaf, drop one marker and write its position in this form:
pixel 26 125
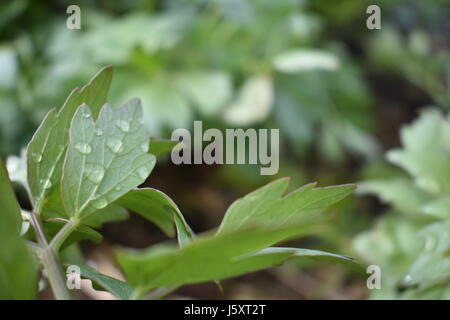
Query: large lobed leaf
pixel 18 275
pixel 45 152
pixel 105 159
pixel 241 244
pixel 268 208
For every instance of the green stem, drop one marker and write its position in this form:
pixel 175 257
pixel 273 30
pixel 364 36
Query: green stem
pixel 62 234
pixel 50 263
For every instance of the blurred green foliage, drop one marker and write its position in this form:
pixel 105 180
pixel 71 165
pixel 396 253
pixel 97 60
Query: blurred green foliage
pixel 411 243
pixel 311 68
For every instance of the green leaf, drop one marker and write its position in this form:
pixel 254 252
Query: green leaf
pixel 157 207
pixel 432 266
pixel 267 207
pixel 439 208
pixel 111 213
pixel 426 145
pixel 45 152
pixel 206 259
pixel 253 103
pixel 299 60
pixel 251 224
pixel 208 90
pixel 162 147
pixel 105 159
pixel 18 275
pixel 401 193
pixel 118 288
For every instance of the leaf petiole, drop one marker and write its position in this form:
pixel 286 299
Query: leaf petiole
pixel 62 234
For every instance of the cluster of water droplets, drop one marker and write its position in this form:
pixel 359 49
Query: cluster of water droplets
pixel 96 172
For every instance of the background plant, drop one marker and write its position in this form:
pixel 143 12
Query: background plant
pixel 338 92
pixel 411 242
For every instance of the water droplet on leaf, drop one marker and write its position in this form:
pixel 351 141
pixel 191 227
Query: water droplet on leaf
pixel 86 115
pixel 144 147
pixel 143 172
pixel 83 148
pixel 123 125
pixel 115 145
pixel 99 202
pixel 37 157
pixel 46 184
pixel 98 132
pixel 95 172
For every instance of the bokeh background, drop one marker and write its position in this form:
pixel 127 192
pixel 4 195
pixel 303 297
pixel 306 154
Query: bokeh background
pixel 338 92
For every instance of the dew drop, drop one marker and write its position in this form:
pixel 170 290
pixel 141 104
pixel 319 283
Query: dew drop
pixel 83 148
pixel 86 114
pixel 142 172
pixel 118 188
pixel 37 157
pixel 144 147
pixel 95 172
pixel 99 202
pixel 46 184
pixel 123 125
pixel 98 132
pixel 115 145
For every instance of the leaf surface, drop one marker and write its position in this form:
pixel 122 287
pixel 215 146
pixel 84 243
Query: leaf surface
pixel 18 275
pixel 105 159
pixel 268 207
pixel 118 288
pixel 46 150
pixel 208 258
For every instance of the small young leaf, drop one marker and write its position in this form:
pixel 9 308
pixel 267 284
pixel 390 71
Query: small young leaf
pixel 18 275
pixel 160 209
pixel 105 159
pixel 118 288
pixel 45 152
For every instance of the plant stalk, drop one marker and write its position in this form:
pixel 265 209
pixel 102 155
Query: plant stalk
pixel 62 235
pixel 50 263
